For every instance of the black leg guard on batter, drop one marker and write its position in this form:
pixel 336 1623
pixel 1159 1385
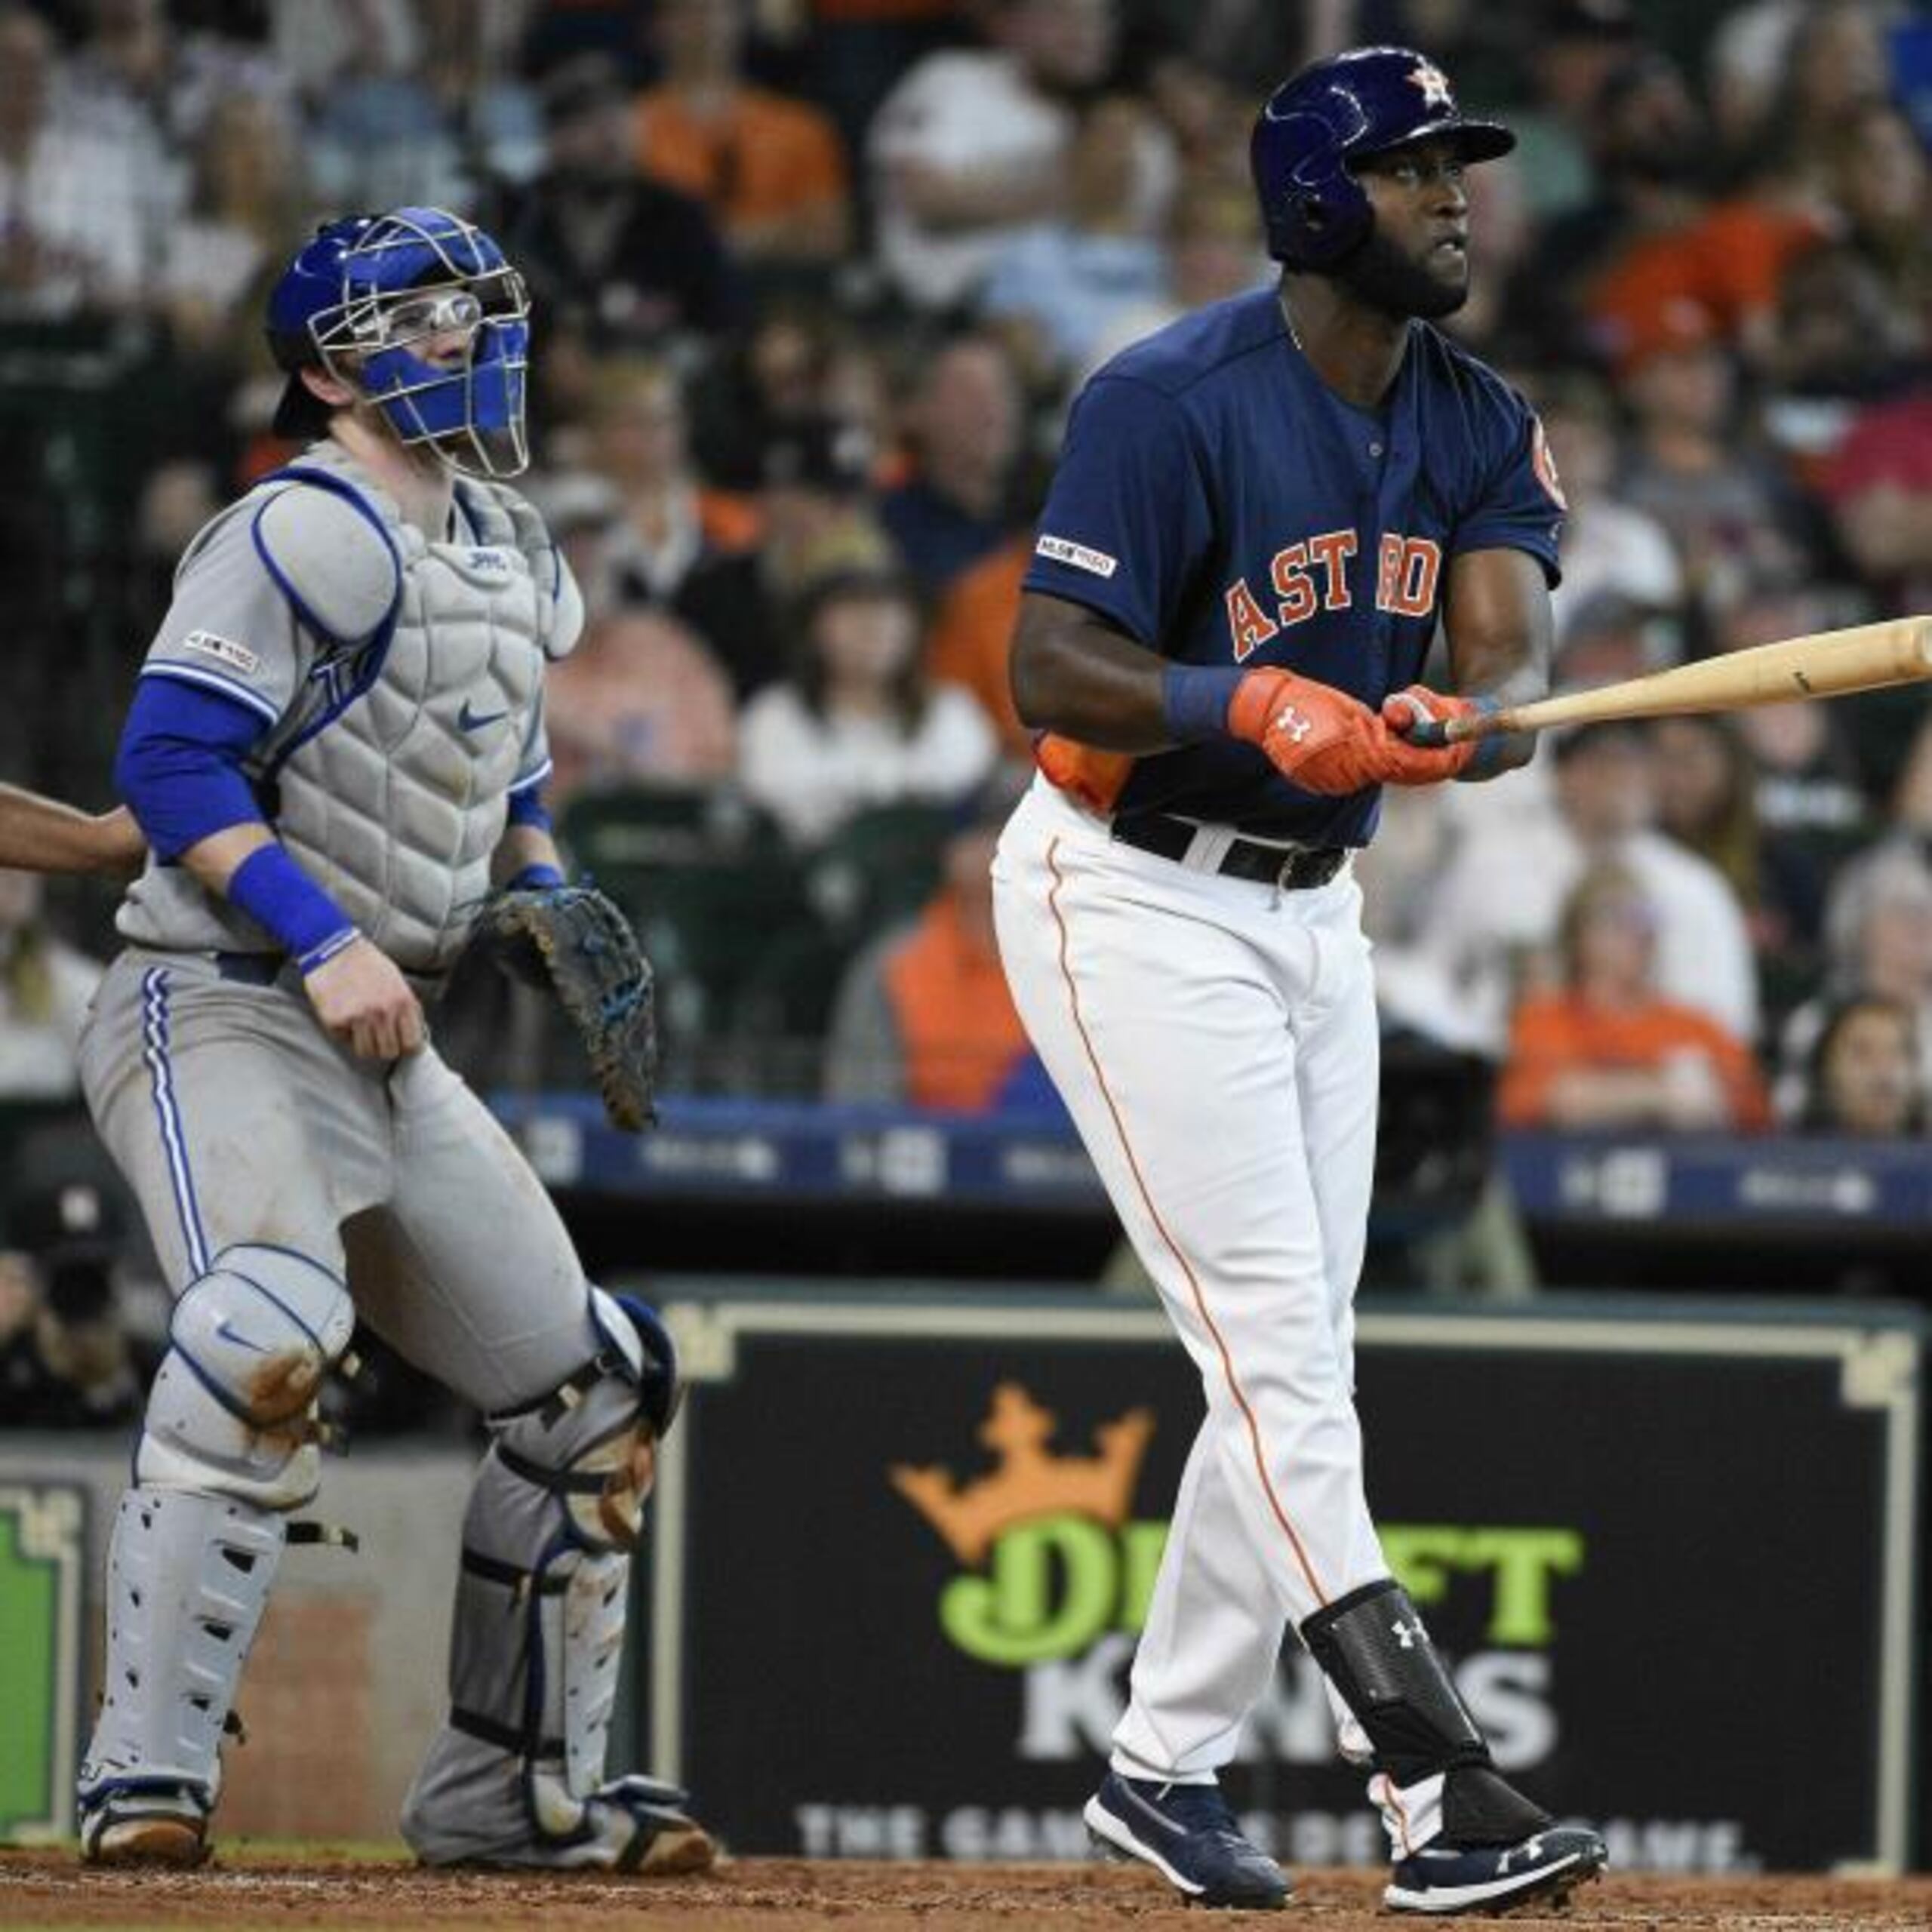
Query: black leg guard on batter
pixel 1374 1647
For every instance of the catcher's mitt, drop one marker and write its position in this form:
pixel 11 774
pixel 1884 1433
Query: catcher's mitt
pixel 572 942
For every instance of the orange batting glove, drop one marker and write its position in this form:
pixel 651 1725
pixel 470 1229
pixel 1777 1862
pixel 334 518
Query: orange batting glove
pixel 1418 765
pixel 1321 738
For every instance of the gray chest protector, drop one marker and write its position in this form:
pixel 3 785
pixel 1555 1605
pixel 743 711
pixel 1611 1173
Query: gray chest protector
pixel 389 776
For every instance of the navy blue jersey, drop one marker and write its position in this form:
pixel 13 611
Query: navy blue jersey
pixel 1219 503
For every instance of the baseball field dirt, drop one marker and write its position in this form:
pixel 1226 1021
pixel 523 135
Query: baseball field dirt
pixel 318 1888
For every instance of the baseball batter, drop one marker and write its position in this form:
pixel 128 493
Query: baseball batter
pixel 335 748
pixel 41 834
pixel 1259 517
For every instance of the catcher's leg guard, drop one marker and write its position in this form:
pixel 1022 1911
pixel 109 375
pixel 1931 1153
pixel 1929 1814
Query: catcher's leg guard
pixel 515 1777
pixel 229 1446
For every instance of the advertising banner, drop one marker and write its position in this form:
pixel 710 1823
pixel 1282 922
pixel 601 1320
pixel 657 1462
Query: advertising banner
pixel 43 1542
pixel 902 1554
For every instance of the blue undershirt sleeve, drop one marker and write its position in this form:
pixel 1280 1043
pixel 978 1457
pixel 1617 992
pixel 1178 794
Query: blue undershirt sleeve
pixel 179 764
pixel 527 807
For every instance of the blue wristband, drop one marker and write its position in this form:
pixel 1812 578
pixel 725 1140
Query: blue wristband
pixel 1489 758
pixel 276 893
pixel 1195 700
pixel 534 879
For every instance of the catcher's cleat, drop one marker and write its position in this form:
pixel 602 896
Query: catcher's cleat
pixel 132 1827
pixel 1187 1833
pixel 631 1824
pixel 1545 1868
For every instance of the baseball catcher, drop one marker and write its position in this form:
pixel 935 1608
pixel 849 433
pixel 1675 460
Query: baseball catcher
pixel 336 753
pixel 41 834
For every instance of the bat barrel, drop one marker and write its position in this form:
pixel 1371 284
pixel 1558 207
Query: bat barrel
pixel 1827 664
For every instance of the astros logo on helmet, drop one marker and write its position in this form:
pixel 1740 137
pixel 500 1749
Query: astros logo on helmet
pixel 1313 130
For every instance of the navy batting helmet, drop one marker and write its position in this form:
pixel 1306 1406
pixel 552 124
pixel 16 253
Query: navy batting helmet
pixel 363 293
pixel 1313 130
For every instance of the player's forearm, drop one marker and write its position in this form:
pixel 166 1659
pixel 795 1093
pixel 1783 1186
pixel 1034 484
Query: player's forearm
pixel 1501 639
pixel 214 860
pixel 251 868
pixel 523 852
pixel 41 834
pixel 1072 674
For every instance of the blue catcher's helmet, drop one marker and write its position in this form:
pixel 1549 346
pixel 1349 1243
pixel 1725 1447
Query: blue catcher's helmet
pixel 1313 129
pixel 365 294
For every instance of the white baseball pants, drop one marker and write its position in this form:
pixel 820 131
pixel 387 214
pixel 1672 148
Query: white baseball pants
pixel 1215 1041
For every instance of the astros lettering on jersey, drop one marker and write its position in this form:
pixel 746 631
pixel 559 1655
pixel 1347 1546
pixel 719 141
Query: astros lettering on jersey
pixel 1261 570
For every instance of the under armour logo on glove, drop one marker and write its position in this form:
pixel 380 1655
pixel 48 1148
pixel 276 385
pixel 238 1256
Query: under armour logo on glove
pixel 1318 737
pixel 1406 1633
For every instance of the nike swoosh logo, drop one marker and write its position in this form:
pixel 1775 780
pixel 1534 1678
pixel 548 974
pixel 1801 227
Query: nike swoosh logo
pixel 228 1334
pixel 467 720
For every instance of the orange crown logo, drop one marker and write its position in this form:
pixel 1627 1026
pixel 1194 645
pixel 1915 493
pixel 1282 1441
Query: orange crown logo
pixel 1031 1481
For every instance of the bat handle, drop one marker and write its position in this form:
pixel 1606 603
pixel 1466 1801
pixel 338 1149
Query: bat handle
pixel 1435 734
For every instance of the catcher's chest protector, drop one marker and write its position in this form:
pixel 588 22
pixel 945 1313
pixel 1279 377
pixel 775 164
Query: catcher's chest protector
pixel 395 804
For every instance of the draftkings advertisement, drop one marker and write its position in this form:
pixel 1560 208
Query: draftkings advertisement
pixel 915 1562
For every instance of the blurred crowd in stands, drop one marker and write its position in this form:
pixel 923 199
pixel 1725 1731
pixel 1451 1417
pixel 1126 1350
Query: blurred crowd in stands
pixel 815 281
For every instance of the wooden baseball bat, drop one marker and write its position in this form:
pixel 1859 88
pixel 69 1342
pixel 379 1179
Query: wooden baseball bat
pixel 1826 664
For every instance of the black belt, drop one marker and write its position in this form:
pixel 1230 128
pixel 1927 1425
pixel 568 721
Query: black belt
pixel 265 969
pixel 251 969
pixel 1291 868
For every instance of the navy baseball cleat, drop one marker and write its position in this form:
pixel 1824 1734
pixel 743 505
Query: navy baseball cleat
pixel 1545 1867
pixel 1187 1833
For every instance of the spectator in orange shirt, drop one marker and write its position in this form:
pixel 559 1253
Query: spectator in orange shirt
pixel 1604 1050
pixel 923 1016
pixel 971 633
pixel 771 170
pixel 1731 259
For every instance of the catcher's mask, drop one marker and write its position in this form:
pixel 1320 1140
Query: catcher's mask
pixel 419 313
pixel 1315 130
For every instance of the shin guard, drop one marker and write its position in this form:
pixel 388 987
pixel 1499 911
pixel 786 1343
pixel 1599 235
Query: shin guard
pixel 516 1775
pixel 188 1579
pixel 1434 1774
